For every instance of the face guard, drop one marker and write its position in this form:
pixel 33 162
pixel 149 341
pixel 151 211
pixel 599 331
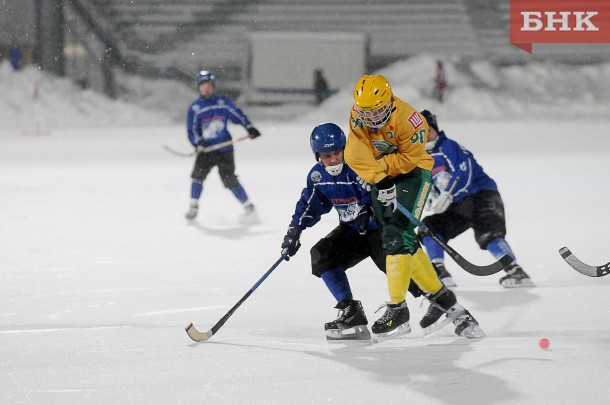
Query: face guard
pixel 334 170
pixel 375 118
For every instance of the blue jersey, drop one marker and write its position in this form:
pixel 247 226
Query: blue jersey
pixel 323 192
pixel 454 162
pixel 207 119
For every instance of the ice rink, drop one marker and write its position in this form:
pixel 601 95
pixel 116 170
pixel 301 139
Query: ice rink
pixel 100 273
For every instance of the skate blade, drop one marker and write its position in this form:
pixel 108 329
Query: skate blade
pixel 360 332
pixel 399 332
pixel 435 327
pixel 523 283
pixel 473 332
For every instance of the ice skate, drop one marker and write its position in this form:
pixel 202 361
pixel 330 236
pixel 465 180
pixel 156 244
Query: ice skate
pixel 250 216
pixel 393 324
pixel 441 303
pixel 443 274
pixel 468 327
pixel 516 278
pixel 193 210
pixel 350 323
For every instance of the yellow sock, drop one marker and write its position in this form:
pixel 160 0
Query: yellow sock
pixel 424 274
pixel 398 270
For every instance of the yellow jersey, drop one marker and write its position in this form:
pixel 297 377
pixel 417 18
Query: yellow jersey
pixel 405 129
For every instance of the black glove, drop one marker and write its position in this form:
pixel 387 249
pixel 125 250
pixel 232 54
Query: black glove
pixel 291 242
pixel 253 132
pixel 387 192
pixel 363 219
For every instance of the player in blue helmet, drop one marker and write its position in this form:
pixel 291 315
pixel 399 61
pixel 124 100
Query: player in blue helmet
pixel 333 184
pixel 206 125
pixel 328 138
pixel 465 197
pixel 205 76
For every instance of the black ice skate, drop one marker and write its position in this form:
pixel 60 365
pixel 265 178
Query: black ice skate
pixel 468 327
pixel 443 274
pixel 393 324
pixel 350 323
pixel 515 277
pixel 192 212
pixel 444 303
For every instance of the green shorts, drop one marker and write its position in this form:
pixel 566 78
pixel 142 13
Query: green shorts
pixel 397 232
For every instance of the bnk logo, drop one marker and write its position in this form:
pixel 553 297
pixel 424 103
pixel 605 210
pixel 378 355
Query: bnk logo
pixel 533 21
pixel 559 21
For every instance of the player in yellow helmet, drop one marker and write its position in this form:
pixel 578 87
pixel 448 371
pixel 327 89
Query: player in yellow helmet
pixel 386 148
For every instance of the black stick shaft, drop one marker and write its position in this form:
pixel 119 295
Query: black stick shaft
pixel 465 264
pixel 245 297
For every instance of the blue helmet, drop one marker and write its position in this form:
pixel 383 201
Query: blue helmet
pixel 327 137
pixel 205 76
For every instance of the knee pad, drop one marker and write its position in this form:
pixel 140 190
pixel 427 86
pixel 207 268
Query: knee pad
pixel 319 262
pixel 198 174
pixel 230 182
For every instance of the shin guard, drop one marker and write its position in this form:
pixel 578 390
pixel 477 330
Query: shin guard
pixel 424 274
pixel 398 270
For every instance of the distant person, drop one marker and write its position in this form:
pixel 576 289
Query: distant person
pixel 320 86
pixel 465 197
pixel 440 82
pixel 15 56
pixel 206 125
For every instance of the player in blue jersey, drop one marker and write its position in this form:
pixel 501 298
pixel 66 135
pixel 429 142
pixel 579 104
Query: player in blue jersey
pixel 332 184
pixel 465 197
pixel 206 125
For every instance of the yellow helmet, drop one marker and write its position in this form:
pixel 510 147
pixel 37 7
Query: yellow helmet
pixel 373 100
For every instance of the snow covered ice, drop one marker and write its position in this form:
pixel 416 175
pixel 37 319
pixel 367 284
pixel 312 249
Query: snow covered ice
pixel 100 273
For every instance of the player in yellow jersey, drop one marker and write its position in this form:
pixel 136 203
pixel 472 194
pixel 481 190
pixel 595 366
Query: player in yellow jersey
pixel 386 148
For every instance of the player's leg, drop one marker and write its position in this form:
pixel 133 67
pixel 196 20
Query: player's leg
pixel 489 224
pixel 201 169
pixel 226 170
pixel 375 251
pixel 331 256
pixel 399 243
pixel 446 226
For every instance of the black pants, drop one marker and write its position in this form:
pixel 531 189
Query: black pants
pixel 344 248
pixel 483 212
pixel 226 167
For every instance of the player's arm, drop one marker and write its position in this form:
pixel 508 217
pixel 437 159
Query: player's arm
pixel 193 127
pixel 308 212
pixel 237 116
pixel 461 168
pixel 359 156
pixel 411 147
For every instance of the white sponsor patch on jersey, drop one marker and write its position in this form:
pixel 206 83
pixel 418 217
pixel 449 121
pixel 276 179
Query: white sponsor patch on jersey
pixel 415 120
pixel 348 212
pixel 316 176
pixel 213 129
